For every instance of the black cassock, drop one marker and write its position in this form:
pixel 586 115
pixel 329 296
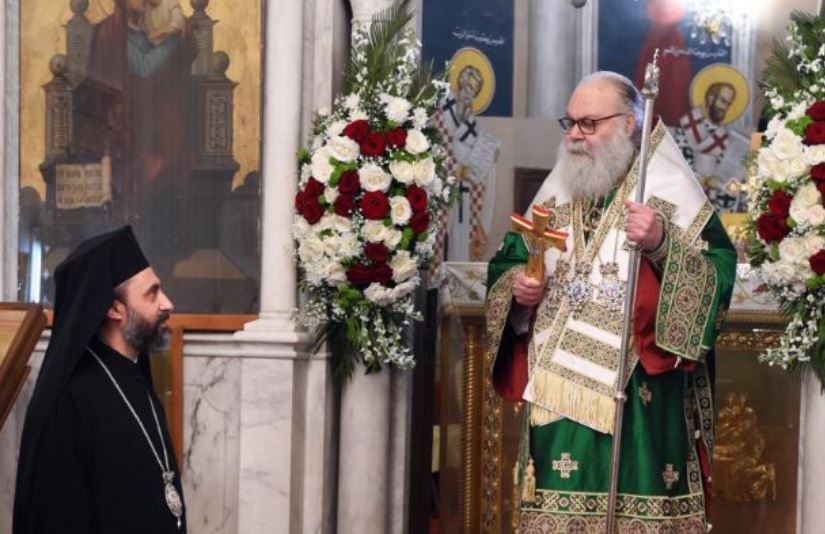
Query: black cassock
pixel 95 472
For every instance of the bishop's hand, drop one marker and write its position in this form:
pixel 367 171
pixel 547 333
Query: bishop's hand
pixel 528 291
pixel 642 226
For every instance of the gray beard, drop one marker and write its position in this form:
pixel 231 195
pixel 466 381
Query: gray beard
pixel 592 173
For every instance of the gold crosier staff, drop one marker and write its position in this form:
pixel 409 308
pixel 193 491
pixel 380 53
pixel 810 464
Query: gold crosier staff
pixel 650 91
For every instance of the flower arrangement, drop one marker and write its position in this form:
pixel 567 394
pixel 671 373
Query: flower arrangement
pixel 371 184
pixel 786 195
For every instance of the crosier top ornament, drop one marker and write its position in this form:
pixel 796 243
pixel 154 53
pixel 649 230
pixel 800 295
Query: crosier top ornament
pixel 786 233
pixel 372 182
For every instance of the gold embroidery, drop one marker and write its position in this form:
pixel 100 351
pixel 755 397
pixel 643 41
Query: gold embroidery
pixel 645 394
pixel 592 349
pixel 644 507
pixel 687 291
pixel 565 465
pixel 497 308
pixel 670 476
pixel 528 493
pixel 561 390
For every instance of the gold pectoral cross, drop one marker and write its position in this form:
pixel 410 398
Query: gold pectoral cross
pixel 538 236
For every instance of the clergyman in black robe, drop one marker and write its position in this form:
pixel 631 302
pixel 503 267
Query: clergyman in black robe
pixel 95 444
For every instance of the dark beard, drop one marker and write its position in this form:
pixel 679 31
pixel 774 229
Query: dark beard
pixel 145 336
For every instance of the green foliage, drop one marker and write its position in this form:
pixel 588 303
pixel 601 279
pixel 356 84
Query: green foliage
pixel 382 50
pixel 798 126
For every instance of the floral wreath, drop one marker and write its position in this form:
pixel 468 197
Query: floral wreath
pixel 372 184
pixel 786 195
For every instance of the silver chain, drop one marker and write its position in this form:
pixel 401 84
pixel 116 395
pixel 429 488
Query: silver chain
pixel 139 422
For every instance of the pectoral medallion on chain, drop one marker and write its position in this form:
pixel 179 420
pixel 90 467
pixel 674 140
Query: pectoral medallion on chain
pixel 579 290
pixel 173 500
pixel 610 291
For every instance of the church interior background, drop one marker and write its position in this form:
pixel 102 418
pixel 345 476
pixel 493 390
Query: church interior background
pixel 200 158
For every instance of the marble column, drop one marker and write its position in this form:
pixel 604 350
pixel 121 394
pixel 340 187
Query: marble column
pixel 284 416
pixel 372 462
pixel 811 500
pixel 552 75
pixel 9 148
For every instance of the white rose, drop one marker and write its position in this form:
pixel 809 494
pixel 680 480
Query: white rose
pixel 792 250
pixel 342 224
pixel 786 145
pixel 796 167
pixel 332 245
pixel 424 172
pixel 417 142
pixel 405 288
pixel 400 211
pixel 378 294
pixel 420 118
pixel 374 231
pixel 321 167
pixel 403 266
pixel 397 109
pixel 392 237
pixel 816 216
pixel 311 250
pixel 402 171
pixel 350 245
pixel 343 148
pixel 334 272
pixel 786 273
pixel 336 128
pixel 373 178
pixel 814 155
pixel 330 194
pixel 808 195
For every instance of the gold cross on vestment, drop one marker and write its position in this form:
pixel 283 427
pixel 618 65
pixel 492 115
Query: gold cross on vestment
pixel 670 476
pixel 645 394
pixel 537 236
pixel 565 465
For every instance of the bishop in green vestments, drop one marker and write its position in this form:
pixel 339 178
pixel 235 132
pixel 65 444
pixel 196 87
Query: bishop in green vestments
pixel 555 342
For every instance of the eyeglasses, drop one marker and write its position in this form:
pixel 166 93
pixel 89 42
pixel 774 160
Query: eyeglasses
pixel 587 125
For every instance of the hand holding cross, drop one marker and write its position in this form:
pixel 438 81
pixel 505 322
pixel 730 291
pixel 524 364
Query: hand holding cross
pixel 537 236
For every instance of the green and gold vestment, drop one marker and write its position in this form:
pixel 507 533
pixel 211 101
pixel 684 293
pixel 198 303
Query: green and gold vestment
pixel 667 435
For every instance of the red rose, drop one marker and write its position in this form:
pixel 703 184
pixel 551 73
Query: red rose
pixel 349 183
pixel 376 252
pixel 817 111
pixel 382 274
pixel 815 133
pixel 314 187
pixel 780 203
pixel 420 222
pixel 375 205
pixel 344 205
pixel 817 262
pixel 372 145
pixel 771 228
pixel 357 130
pixel 818 172
pixel 312 210
pixel 359 275
pixel 300 201
pixel 396 138
pixel 417 198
